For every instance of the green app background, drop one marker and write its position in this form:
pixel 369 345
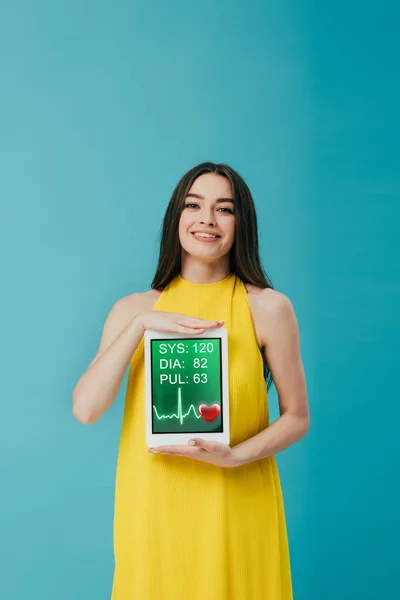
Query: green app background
pixel 207 351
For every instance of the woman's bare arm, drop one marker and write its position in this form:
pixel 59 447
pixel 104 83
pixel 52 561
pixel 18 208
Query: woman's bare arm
pixel 282 351
pixel 124 327
pixel 97 388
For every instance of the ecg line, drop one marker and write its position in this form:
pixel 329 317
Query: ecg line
pixel 179 416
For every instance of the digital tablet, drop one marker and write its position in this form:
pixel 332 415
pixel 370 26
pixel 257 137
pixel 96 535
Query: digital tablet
pixel 186 387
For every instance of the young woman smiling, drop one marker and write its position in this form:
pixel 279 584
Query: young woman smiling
pixel 206 520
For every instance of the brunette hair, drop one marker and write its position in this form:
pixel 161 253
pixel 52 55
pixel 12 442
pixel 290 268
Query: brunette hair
pixel 244 254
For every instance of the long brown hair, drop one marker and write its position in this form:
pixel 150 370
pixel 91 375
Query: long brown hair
pixel 244 254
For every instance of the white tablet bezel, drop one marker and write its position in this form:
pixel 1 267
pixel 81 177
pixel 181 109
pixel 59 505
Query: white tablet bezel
pixel 161 439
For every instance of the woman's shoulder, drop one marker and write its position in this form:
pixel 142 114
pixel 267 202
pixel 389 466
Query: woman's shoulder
pixel 150 297
pixel 140 301
pixel 261 295
pixel 264 304
pixel 266 300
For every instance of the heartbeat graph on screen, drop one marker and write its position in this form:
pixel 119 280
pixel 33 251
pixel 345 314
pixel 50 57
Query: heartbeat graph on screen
pixel 179 415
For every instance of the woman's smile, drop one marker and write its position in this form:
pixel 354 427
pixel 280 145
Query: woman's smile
pixel 205 237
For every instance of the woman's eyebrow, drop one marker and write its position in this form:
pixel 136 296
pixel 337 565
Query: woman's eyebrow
pixel 192 195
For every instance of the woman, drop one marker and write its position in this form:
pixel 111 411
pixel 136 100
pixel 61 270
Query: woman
pixel 204 521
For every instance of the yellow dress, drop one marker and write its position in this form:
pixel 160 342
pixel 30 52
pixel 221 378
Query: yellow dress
pixel 185 529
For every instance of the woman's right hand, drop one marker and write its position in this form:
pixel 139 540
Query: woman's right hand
pixel 172 322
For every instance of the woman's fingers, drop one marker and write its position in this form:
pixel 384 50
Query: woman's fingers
pixel 182 329
pixel 196 322
pixel 170 321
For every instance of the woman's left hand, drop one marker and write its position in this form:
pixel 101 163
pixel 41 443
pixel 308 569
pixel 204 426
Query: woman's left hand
pixel 208 451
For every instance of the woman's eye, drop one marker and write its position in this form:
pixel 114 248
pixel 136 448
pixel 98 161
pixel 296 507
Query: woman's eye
pixel 222 208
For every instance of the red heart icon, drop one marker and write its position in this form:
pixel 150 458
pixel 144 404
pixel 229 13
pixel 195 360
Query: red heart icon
pixel 209 413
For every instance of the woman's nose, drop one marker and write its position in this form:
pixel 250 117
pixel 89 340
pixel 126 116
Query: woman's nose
pixel 208 219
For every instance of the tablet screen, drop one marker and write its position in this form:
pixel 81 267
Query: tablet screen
pixel 186 390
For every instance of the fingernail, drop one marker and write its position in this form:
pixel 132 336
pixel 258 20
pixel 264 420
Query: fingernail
pixel 192 442
pixel 221 322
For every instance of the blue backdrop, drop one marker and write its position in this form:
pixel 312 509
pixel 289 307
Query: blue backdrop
pixel 103 107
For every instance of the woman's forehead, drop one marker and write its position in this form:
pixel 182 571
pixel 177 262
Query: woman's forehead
pixel 210 186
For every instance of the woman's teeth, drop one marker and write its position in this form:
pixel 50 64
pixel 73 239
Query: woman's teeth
pixel 206 235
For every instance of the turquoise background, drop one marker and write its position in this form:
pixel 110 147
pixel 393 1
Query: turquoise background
pixel 103 107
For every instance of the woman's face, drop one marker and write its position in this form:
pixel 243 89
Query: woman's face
pixel 208 207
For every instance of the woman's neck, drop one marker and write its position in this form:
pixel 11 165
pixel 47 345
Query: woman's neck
pixel 202 272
